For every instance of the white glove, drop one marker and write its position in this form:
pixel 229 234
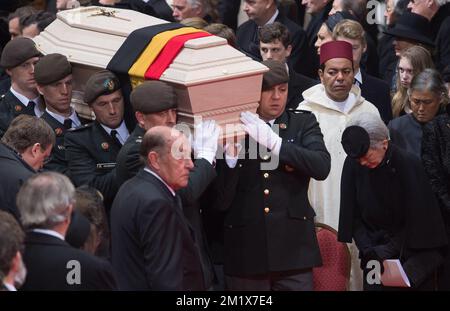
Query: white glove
pixel 261 132
pixel 206 136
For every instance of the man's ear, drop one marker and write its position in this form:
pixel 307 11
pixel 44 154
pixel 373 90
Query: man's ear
pixel 288 50
pixel 365 48
pixel 140 118
pixel 153 160
pixel 39 88
pixel 8 71
pixel 35 148
pixel 320 72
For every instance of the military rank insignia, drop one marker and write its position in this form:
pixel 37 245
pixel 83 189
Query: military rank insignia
pixel 105 146
pixel 58 131
pixel 283 126
pixel 18 108
pixel 109 84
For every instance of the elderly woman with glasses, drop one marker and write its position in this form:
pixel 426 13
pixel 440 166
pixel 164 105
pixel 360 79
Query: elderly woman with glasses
pixel 387 206
pixel 427 98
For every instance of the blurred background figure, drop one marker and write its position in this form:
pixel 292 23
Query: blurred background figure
pixel 12 268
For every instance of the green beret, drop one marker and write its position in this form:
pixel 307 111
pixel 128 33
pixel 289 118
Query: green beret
pixel 52 68
pixel 277 74
pixel 100 83
pixel 153 96
pixel 18 51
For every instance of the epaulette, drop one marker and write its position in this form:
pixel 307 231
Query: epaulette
pixel 81 127
pixel 298 110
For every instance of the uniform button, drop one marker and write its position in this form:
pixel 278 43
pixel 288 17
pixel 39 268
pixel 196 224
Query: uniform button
pixel 266 192
pixel 266 157
pixel 266 210
pixel 266 175
pixel 304 218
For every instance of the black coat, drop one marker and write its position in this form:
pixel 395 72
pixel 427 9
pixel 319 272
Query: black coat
pixel 91 154
pixel 297 84
pixel 377 92
pixel 11 107
pixel 228 12
pixel 48 258
pixel 247 40
pixel 14 172
pixel 391 211
pixel 406 133
pixel 387 58
pixel 58 162
pixel 153 246
pixel 443 50
pixel 128 165
pixel 269 223
pixel 436 159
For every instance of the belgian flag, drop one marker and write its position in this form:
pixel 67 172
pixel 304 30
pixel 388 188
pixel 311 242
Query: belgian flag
pixel 146 53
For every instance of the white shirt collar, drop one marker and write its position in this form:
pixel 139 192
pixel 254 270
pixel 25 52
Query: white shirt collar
pixel 25 100
pixel 273 18
pixel 358 77
pixel 10 287
pixel 122 132
pixel 147 169
pixel 73 116
pixel 49 232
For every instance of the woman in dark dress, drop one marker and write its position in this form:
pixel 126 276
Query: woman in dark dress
pixel 387 205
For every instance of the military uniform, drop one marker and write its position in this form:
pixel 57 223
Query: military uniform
pixel 11 107
pixel 269 222
pixel 58 162
pixel 91 154
pixel 128 159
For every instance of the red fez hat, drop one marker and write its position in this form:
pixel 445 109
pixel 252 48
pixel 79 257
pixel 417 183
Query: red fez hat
pixel 335 49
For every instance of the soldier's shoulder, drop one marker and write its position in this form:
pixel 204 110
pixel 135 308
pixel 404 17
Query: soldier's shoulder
pixel 298 111
pixel 81 128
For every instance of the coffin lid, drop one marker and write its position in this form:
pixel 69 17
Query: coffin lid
pixel 90 39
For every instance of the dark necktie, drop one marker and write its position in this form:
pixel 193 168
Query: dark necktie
pixel 67 124
pixel 30 108
pixel 115 138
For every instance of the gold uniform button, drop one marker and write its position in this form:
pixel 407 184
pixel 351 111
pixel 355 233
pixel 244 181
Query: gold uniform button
pixel 266 192
pixel 266 210
pixel 266 175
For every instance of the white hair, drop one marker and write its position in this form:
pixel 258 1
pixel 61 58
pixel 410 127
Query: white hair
pixel 44 200
pixel 374 126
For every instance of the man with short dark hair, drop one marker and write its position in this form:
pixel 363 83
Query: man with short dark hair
pixel 153 247
pixel 262 12
pixel 46 203
pixel 91 150
pixel 265 198
pixel 12 268
pixel 33 25
pixel 24 148
pixel 275 44
pixel 54 80
pixel 19 58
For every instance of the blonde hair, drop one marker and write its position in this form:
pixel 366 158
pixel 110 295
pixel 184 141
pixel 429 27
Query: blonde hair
pixel 349 29
pixel 420 59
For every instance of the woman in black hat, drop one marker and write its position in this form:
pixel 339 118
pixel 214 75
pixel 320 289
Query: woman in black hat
pixel 387 205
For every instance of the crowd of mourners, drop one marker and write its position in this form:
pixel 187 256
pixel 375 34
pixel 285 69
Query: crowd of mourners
pixel 353 112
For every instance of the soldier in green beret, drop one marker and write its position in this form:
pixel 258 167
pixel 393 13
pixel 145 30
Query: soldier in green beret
pixel 91 150
pixel 53 74
pixel 19 58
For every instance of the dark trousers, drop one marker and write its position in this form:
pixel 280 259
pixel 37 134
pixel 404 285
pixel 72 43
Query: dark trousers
pixel 298 280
